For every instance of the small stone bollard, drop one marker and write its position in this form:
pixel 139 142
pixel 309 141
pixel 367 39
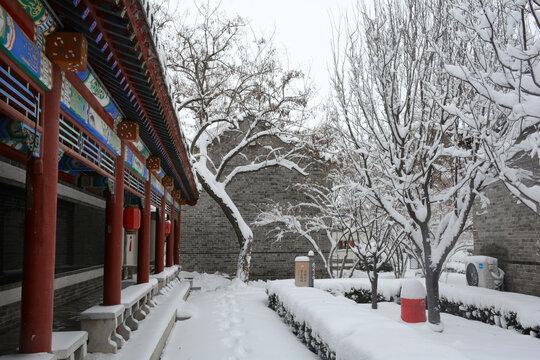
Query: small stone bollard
pixel 304 270
pixel 413 301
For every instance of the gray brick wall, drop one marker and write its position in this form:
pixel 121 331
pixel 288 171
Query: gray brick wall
pixel 208 242
pixel 82 293
pixel 510 232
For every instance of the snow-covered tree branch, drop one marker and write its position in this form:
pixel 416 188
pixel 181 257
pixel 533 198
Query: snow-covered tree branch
pixel 502 68
pixel 411 155
pixel 244 108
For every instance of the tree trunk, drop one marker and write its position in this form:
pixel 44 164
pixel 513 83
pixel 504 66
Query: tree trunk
pixel 434 308
pixel 374 289
pixel 241 229
pixel 244 261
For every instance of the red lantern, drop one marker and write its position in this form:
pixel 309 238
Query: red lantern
pixel 132 219
pixel 167 227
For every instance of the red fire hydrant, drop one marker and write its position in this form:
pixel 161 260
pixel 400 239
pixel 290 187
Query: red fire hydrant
pixel 413 301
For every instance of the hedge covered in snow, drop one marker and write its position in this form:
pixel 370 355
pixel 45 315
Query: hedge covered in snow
pixel 359 290
pixel 504 309
pixel 302 330
pixel 337 328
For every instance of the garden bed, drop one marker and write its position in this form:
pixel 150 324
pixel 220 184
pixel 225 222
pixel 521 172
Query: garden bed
pixel 337 328
pixel 503 309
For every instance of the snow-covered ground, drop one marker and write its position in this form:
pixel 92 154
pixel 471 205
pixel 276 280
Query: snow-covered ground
pixel 354 331
pixel 231 320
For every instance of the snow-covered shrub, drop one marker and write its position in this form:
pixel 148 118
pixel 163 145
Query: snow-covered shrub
pixel 301 330
pixel 359 289
pixel 363 296
pixel 491 315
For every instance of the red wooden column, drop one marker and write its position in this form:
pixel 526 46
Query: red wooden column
pixel 177 237
pixel 160 237
pixel 113 236
pixel 40 231
pixel 143 256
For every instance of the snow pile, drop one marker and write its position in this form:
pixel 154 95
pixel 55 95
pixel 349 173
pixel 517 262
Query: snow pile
pixel 413 289
pixel 186 310
pixel 504 309
pixel 207 282
pixel 389 289
pixel 349 331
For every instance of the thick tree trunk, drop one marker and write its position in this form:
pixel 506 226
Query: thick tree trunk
pixel 241 229
pixel 244 261
pixel 374 289
pixel 432 290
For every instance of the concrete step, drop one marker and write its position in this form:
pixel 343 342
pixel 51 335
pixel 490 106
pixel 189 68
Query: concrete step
pixel 148 341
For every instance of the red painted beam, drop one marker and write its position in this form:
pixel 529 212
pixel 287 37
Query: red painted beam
pixel 12 153
pixel 40 231
pixel 144 37
pixel 116 56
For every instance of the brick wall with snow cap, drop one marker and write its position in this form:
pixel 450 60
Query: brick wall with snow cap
pixel 208 242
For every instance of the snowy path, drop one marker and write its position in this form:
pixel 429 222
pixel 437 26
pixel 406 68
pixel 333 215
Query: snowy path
pixel 232 322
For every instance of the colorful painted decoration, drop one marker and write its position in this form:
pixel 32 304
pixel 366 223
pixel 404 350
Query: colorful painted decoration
pixel 43 21
pixel 161 173
pixel 135 164
pixel 157 186
pixel 19 136
pixel 91 82
pixel 34 8
pixel 142 148
pixel 169 198
pixel 72 166
pixel 128 131
pixel 73 102
pixel 68 50
pixel 26 53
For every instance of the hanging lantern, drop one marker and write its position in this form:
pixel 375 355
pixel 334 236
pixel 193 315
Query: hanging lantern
pixel 132 219
pixel 167 227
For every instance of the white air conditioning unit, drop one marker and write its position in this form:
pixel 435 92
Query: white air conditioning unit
pixel 482 271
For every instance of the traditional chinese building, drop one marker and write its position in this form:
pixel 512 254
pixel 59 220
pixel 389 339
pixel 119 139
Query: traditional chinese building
pixel 92 157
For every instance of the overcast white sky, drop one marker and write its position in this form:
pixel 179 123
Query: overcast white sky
pixel 302 27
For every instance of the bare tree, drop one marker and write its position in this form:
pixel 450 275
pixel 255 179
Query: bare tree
pixel 377 239
pixel 502 68
pixel 314 219
pixel 243 107
pixel 412 156
pixel 368 232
